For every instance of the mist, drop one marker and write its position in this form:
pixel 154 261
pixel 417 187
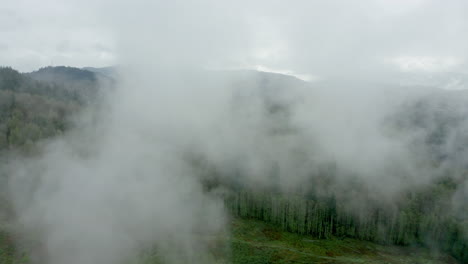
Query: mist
pixel 127 178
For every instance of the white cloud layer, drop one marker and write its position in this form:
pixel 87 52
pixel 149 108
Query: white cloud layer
pixel 319 38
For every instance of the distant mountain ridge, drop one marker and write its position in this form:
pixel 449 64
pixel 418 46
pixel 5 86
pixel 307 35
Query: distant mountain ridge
pixel 62 74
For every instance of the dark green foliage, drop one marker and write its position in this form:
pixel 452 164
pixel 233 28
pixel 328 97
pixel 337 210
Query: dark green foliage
pixel 27 118
pixel 31 109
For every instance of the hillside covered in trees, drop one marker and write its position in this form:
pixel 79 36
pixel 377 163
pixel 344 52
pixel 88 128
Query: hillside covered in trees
pixel 38 105
pixel 330 202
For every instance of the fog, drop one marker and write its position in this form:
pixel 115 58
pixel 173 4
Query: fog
pixel 122 180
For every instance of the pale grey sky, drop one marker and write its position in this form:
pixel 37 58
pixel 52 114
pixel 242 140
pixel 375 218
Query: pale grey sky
pixel 307 38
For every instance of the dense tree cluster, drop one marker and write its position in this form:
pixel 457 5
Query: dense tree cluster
pixel 31 110
pixel 421 217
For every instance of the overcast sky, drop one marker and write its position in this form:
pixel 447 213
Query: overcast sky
pixel 307 38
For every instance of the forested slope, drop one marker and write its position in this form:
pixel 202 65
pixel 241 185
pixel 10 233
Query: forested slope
pixel 330 203
pixel 38 105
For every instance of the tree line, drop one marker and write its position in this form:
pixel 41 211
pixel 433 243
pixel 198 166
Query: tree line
pixel 421 217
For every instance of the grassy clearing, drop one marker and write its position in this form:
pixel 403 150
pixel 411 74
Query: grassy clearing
pixel 257 242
